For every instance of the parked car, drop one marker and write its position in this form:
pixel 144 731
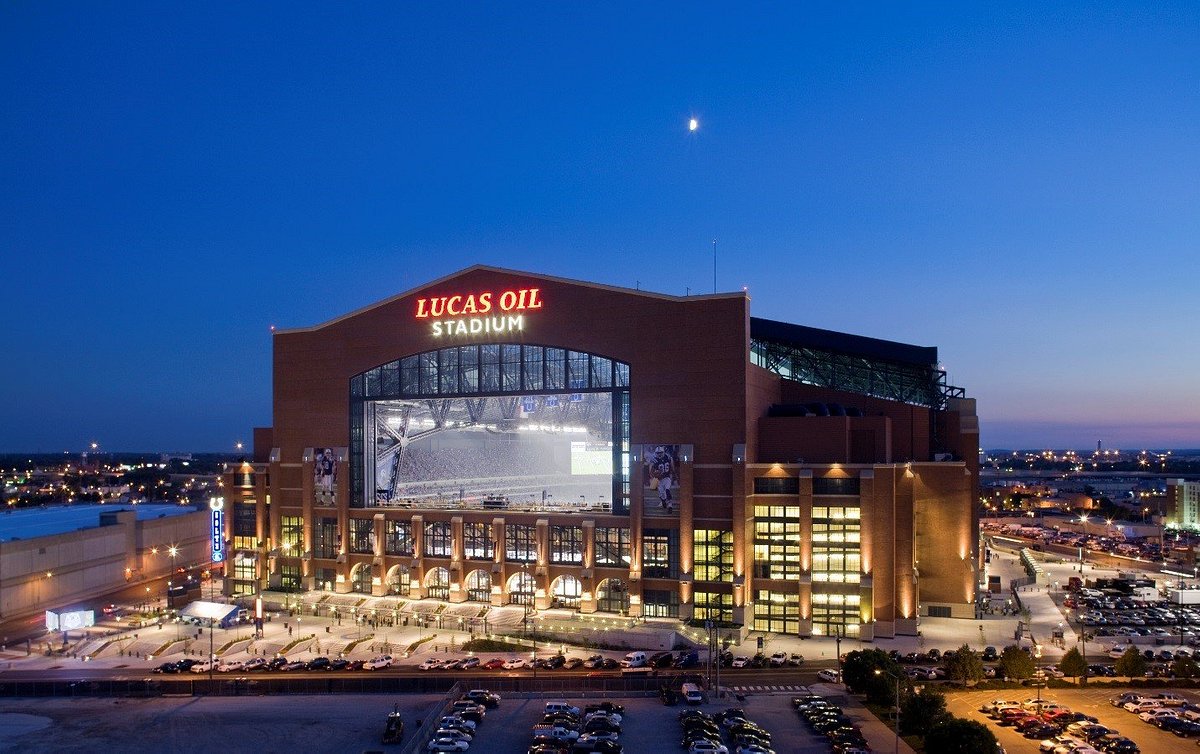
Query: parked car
pixel 829 676
pixel 378 663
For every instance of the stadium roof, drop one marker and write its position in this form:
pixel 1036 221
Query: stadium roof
pixel 843 343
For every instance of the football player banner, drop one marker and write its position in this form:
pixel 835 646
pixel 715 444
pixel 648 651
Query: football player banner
pixel 660 480
pixel 324 475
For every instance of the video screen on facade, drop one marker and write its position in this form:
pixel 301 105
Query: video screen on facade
pixel 519 451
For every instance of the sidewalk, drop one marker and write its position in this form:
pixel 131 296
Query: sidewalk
pixel 879 736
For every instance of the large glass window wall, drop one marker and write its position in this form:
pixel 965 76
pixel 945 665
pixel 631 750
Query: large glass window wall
pixel 612 546
pixel 836 544
pixel 362 536
pixel 716 606
pixel 399 538
pixel 291 534
pixel 777 612
pixel 566 545
pixel 777 542
pixel 437 539
pixel 520 543
pixel 713 552
pixel 660 553
pixel 325 539
pixel 481 370
pixel 477 541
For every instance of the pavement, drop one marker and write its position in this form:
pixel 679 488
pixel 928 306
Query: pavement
pixel 416 629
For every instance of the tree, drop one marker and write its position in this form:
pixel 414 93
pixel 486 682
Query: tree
pixel 1184 667
pixel 1131 664
pixel 858 673
pixel 1015 663
pixel 959 736
pixel 1073 664
pixel 963 665
pixel 919 713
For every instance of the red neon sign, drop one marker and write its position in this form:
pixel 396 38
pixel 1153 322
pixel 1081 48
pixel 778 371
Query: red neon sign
pixel 519 300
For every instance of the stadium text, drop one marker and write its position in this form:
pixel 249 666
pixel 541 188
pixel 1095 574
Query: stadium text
pixel 523 299
pixel 478 325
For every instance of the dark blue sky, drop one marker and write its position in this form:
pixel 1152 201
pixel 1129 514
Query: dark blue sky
pixel 1017 186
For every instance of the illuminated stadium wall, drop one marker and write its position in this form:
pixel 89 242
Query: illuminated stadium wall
pixel 511 438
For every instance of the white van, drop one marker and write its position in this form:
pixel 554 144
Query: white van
pixel 561 706
pixel 691 693
pixel 634 660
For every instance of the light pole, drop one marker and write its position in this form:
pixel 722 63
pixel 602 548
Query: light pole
pixel 896 678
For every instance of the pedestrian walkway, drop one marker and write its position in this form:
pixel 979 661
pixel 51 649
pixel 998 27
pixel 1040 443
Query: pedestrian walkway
pixel 793 689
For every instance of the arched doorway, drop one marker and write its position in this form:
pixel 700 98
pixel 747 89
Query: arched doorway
pixel 566 591
pixel 398 581
pixel 479 586
pixel 361 576
pixel 437 584
pixel 612 596
pixel 521 589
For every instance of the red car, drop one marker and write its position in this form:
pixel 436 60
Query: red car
pixel 494 664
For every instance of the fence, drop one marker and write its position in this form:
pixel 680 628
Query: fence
pixel 359 683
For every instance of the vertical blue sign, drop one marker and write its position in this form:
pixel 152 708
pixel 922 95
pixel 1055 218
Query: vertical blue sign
pixel 217 508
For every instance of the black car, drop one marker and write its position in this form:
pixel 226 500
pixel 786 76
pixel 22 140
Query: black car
pixel 548 748
pixel 990 654
pixel 486 698
pixel 339 664
pixel 1122 746
pixel 277 663
pixel 609 707
pixel 318 663
pixel 1041 732
pixel 555 662
pixel 184 666
pixel 669 697
pixel 166 667
pixel 660 660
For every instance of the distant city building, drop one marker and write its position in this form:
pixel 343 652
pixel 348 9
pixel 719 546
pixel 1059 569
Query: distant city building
pixel 511 438
pixel 1183 504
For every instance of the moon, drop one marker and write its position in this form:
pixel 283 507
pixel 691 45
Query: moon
pixel 693 124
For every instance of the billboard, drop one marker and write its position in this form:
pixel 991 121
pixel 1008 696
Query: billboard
pixel 325 468
pixel 521 451
pixel 660 480
pixel 70 621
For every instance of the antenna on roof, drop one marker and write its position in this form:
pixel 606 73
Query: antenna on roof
pixel 714 265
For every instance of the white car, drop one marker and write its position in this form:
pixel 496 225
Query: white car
pixel 453 733
pixel 741 662
pixel 515 663
pixel 1148 716
pixel 779 659
pixel 378 663
pixel 1050 744
pixel 231 666
pixel 430 664
pixel 829 676
pixel 204 666
pixel 707 747
pixel 588 738
pixel 447 744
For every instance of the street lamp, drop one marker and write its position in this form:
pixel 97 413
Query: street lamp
pixel 895 677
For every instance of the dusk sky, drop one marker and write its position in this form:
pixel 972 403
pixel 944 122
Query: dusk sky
pixel 1018 185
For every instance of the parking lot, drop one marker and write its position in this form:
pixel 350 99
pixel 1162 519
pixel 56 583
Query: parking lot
pixel 1093 701
pixel 339 723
